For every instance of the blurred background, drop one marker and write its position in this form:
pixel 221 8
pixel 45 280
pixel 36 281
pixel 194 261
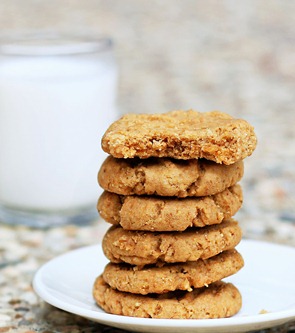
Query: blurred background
pixel 228 55
pixel 234 56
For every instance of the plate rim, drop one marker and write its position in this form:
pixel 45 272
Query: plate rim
pixel 263 320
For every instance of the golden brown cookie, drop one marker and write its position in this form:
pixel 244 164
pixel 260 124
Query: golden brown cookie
pixel 145 247
pixel 170 277
pixel 188 134
pixel 167 213
pixel 219 300
pixel 167 177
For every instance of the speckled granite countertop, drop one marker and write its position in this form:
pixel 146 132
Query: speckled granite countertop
pixel 236 56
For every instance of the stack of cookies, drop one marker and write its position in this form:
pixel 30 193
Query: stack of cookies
pixel 170 192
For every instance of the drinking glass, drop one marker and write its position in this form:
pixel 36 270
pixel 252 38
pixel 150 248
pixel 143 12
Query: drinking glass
pixel 57 97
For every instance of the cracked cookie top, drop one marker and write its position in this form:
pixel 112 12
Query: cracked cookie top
pixel 154 213
pixel 188 134
pixel 170 277
pixel 218 300
pixel 145 247
pixel 167 177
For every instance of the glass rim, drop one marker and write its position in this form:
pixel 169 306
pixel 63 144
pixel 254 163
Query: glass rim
pixel 52 44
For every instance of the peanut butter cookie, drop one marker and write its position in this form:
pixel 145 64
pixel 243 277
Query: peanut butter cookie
pixel 188 134
pixel 170 277
pixel 219 300
pixel 167 213
pixel 167 177
pixel 145 247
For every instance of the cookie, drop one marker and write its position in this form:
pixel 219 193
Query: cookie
pixel 167 177
pixel 219 300
pixel 170 277
pixel 188 134
pixel 167 213
pixel 145 247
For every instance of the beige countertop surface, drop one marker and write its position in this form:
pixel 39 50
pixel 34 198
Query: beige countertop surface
pixel 234 56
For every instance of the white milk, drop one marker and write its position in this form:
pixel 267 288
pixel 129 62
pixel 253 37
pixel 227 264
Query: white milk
pixel 53 112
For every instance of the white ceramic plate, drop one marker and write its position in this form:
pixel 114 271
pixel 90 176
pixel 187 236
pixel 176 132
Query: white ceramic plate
pixel 266 283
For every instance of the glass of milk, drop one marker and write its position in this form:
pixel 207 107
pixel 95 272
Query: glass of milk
pixel 57 98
